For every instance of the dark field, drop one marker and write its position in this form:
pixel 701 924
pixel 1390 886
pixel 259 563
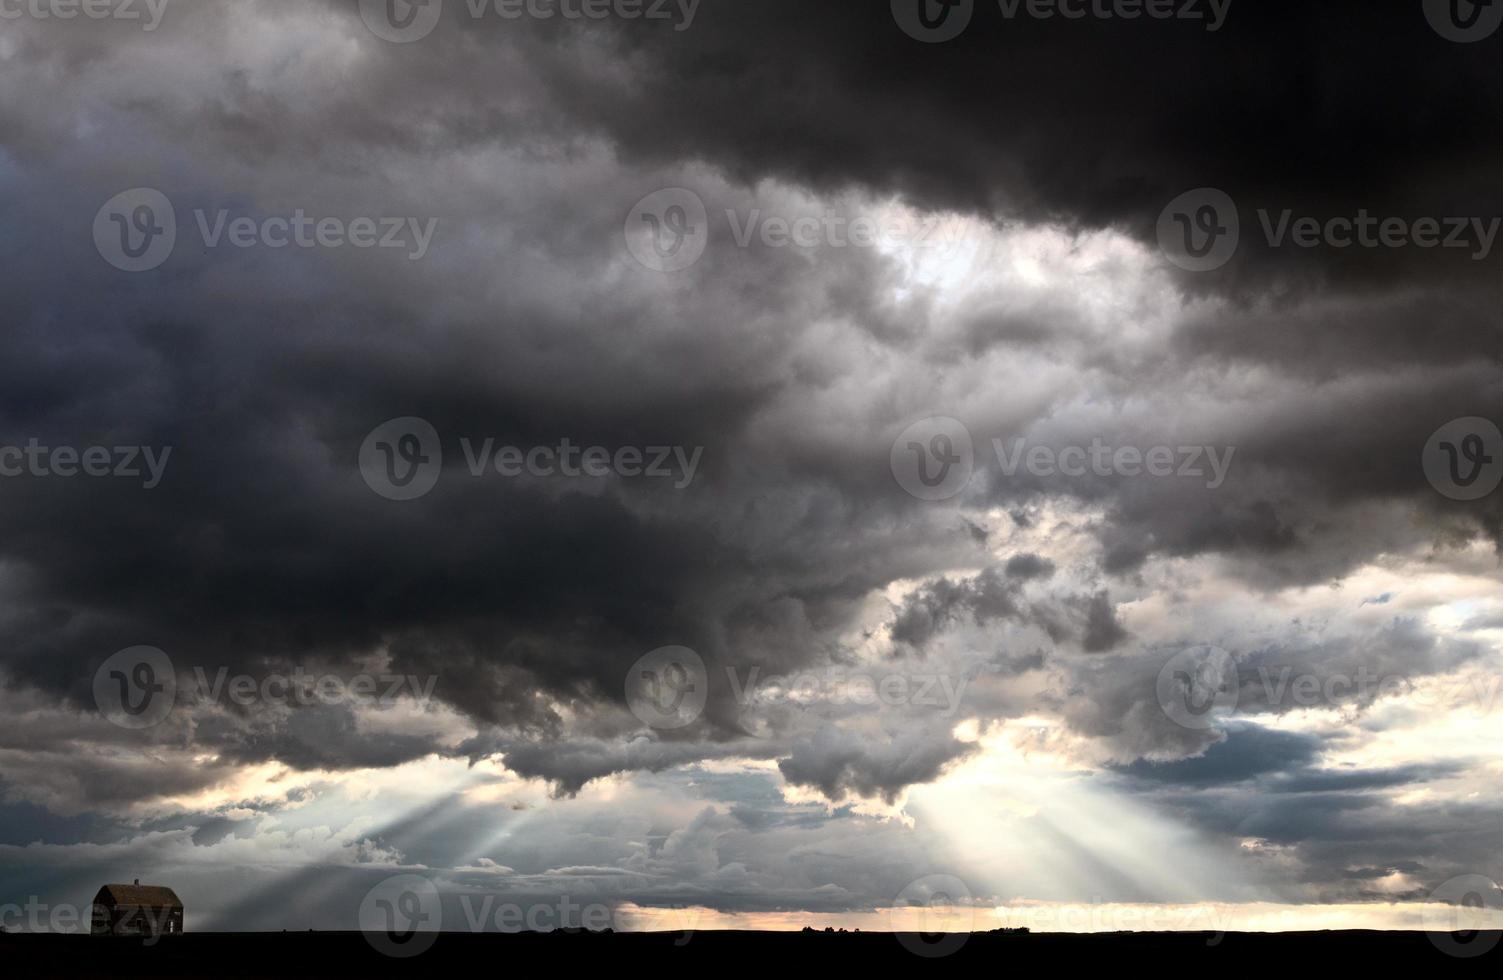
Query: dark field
pixel 662 955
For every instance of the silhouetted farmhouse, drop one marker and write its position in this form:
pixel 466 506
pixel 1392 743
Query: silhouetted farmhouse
pixel 137 910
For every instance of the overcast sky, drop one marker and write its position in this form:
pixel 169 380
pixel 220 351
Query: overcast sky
pixel 752 462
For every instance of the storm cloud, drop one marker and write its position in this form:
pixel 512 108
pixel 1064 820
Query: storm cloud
pixel 1025 165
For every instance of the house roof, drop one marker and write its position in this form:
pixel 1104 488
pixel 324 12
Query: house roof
pixel 142 896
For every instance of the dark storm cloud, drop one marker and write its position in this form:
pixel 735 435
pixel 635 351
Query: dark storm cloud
pixel 262 549
pixel 839 762
pixel 1248 752
pixel 1144 111
pixel 1353 671
pixel 1272 789
pixel 570 764
pixel 1027 566
pixel 1090 621
pixel 1115 698
pixel 927 612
